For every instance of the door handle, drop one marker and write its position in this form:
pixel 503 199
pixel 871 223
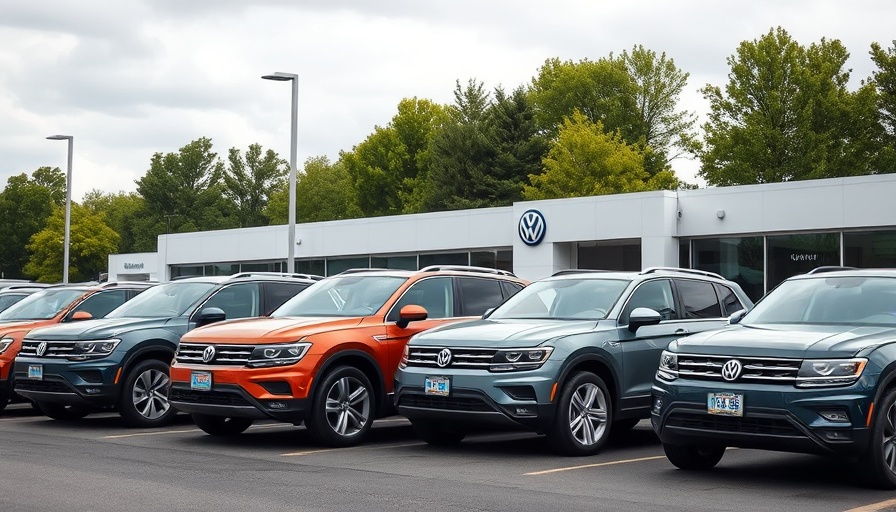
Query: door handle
pixel 682 331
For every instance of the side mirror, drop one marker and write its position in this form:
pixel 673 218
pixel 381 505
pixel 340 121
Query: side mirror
pixel 210 316
pixel 81 315
pixel 736 317
pixel 411 313
pixel 641 317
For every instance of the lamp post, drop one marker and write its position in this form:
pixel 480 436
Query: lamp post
pixel 68 204
pixel 291 248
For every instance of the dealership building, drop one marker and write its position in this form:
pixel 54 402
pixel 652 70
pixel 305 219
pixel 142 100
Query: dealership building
pixel 757 235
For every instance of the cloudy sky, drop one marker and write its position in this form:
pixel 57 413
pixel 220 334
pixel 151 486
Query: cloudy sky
pixel 129 78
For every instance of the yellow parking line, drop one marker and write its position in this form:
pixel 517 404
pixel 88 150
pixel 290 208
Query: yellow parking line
pixel 875 507
pixel 611 463
pixel 357 449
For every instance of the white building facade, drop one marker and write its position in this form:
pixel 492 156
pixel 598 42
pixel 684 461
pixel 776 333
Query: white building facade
pixel 757 235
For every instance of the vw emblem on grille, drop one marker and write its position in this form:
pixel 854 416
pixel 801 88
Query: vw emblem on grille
pixel 41 349
pixel 444 358
pixel 731 370
pixel 532 227
pixel 208 354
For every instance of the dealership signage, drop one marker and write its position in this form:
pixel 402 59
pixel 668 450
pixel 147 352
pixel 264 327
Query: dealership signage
pixel 532 227
pixel 133 266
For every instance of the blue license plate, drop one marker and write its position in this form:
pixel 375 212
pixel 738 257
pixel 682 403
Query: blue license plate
pixel 36 371
pixel 201 381
pixel 439 386
pixel 725 404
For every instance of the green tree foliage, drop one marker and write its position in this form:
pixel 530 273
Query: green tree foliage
pixel 786 114
pixel 249 182
pixel 184 191
pixel 885 79
pixel 389 169
pixel 585 160
pixel 91 243
pixel 125 213
pixel 323 192
pixel 25 205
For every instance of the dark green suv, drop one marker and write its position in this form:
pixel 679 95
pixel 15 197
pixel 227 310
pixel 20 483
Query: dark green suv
pixel 810 369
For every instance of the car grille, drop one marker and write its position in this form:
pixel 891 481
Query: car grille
pixel 42 385
pixel 461 358
pixel 54 348
pixel 755 369
pixel 444 403
pixel 225 354
pixel 207 397
pixel 744 425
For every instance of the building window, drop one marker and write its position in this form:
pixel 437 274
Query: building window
pixel 222 269
pixel 186 270
pixel 739 259
pixel 870 249
pixel 504 260
pixel 314 267
pixel 610 255
pixel 394 262
pixel 337 265
pixel 445 258
pixel 790 255
pixel 271 266
pixel 684 254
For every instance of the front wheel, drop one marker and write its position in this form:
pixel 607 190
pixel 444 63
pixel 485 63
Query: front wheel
pixel 5 395
pixel 878 466
pixel 584 415
pixel 438 435
pixel 62 412
pixel 694 457
pixel 343 408
pixel 144 397
pixel 220 425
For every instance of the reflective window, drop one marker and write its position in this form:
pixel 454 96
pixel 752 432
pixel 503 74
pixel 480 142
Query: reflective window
pixel 610 255
pixel 435 294
pixel 101 304
pixel 656 295
pixel 338 265
pixel 589 299
pixel 279 292
pixel 166 300
pixel 873 249
pixel 698 299
pixel 344 296
pixel 730 303
pixel 42 305
pixel 739 259
pixel 315 267
pixel 448 258
pixel 237 301
pixel 790 255
pixel 478 295
pixel 394 262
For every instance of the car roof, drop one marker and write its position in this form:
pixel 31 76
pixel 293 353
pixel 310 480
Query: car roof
pixel 846 272
pixel 457 270
pixel 251 276
pixel 635 275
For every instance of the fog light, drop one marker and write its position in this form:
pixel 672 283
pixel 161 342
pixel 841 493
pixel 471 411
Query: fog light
pixel 276 405
pixel 524 411
pixel 91 391
pixel 657 405
pixel 837 435
pixel 835 416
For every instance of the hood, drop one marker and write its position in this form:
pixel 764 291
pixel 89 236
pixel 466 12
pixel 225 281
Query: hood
pixel 505 333
pixel 794 341
pixel 100 328
pixel 19 325
pixel 258 331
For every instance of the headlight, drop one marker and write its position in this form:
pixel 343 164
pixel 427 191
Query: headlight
pixel 93 349
pixel 518 359
pixel 281 354
pixel 4 344
pixel 668 369
pixel 830 372
pixel 403 363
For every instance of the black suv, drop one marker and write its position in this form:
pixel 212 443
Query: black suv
pixel 123 360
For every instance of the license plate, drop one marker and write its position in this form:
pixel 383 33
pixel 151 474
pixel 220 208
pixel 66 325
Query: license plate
pixel 201 381
pixel 725 404
pixel 36 371
pixel 439 386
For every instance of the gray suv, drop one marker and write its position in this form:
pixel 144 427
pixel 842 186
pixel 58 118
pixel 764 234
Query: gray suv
pixel 571 356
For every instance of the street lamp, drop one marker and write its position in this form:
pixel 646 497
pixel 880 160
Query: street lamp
pixel 68 204
pixel 290 77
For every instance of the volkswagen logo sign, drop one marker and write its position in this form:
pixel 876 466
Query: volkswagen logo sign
pixel 41 349
pixel 731 370
pixel 208 354
pixel 532 227
pixel 444 358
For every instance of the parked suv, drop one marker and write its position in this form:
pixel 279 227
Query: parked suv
pixel 122 360
pixel 812 368
pixel 16 292
pixel 53 305
pixel 327 356
pixel 570 356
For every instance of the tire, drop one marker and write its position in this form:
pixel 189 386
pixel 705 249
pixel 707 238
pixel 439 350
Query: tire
pixel 343 408
pixel 877 467
pixel 438 435
pixel 144 396
pixel 584 416
pixel 220 425
pixel 694 457
pixel 5 394
pixel 62 412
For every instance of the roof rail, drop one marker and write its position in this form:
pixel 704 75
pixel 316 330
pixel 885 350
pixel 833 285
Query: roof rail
pixel 653 270
pixel 579 271
pixel 828 268
pixel 468 268
pixel 313 277
pixel 356 270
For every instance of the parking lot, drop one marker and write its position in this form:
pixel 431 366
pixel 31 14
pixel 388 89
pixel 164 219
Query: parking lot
pixel 97 464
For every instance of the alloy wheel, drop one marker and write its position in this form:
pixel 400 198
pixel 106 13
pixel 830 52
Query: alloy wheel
pixel 588 414
pixel 150 394
pixel 348 406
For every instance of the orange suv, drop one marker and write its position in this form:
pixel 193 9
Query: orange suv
pixel 327 357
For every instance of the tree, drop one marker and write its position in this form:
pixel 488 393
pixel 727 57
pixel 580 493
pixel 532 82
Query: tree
pixel 323 192
pixel 586 161
pixel 519 146
pixel 786 114
pixel 885 79
pixel 91 243
pixel 25 205
pixel 126 214
pixel 250 181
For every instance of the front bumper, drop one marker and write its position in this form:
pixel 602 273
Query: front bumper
pixel 90 383
pixel 775 417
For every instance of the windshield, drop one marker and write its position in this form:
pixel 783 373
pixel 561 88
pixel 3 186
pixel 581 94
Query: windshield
pixel 42 305
pixel 9 299
pixel 830 300
pixel 167 300
pixel 588 299
pixel 342 296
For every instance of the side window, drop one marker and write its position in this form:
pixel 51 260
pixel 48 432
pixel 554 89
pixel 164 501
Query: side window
pixel 730 303
pixel 277 293
pixel 656 295
pixel 479 295
pixel 101 303
pixel 510 288
pixel 237 301
pixel 435 294
pixel 698 299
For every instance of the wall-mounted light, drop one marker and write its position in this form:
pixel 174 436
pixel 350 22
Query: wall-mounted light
pixel 720 214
